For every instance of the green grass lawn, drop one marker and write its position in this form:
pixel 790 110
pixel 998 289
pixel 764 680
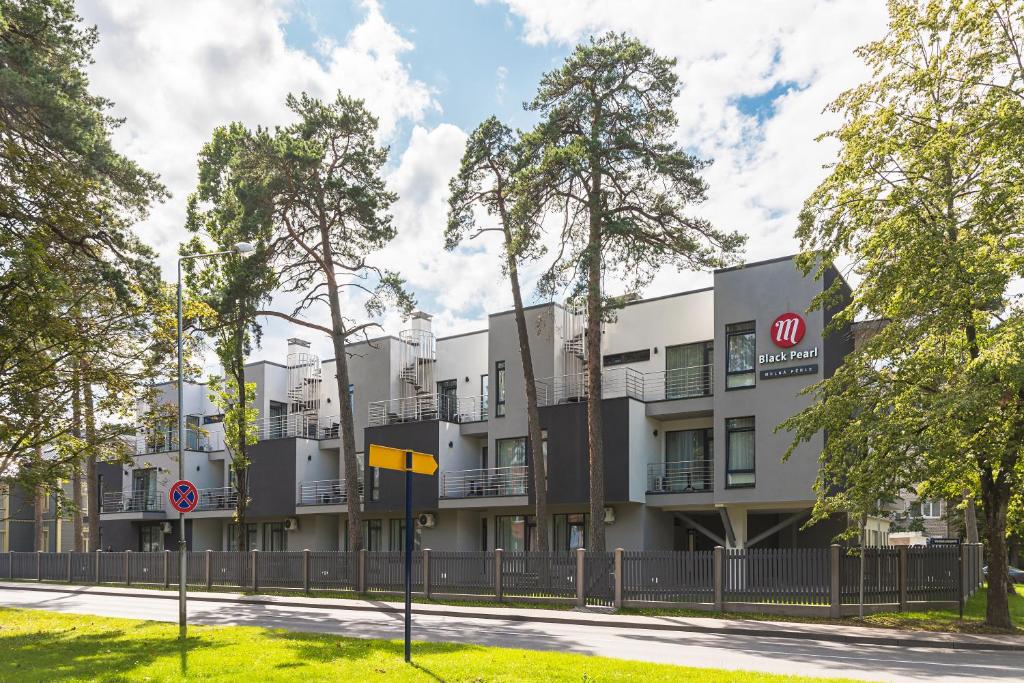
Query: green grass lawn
pixel 949 620
pixel 37 645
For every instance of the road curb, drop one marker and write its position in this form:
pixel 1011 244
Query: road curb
pixel 896 641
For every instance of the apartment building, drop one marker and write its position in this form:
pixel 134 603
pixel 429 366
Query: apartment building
pixel 695 384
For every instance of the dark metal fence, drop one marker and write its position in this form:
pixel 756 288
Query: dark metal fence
pixel 805 578
pixel 668 576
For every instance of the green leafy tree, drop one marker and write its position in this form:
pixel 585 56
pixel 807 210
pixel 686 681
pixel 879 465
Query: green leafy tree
pixel 232 205
pixel 486 179
pixel 925 201
pixel 623 186
pixel 331 221
pixel 240 431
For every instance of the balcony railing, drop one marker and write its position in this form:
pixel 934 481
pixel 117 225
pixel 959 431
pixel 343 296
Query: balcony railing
pixel 305 425
pixel 223 498
pixel 689 382
pixel 495 481
pixel 615 383
pixel 166 441
pixel 680 477
pixel 324 492
pixel 132 501
pixel 427 407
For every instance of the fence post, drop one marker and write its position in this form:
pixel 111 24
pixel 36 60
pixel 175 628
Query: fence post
pixel 904 574
pixel 99 552
pixel 127 568
pixel 208 572
pixel 255 572
pixel 718 570
pixel 305 570
pixel 426 573
pixel 581 589
pixel 39 566
pixel 167 568
pixel 498 569
pixel 361 571
pixel 618 578
pixel 961 592
pixel 69 567
pixel 835 566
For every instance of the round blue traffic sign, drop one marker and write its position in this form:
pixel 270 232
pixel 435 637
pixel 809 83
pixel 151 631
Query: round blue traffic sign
pixel 184 496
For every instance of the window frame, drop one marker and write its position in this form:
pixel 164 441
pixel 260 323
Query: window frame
pixel 499 388
pixel 728 452
pixel 733 330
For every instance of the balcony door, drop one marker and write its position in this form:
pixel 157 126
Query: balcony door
pixel 144 488
pixel 688 370
pixel 447 408
pixel 687 460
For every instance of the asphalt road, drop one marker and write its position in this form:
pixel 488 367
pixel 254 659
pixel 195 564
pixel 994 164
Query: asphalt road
pixel 777 655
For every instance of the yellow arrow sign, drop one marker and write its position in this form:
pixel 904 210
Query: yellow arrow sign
pixel 394 459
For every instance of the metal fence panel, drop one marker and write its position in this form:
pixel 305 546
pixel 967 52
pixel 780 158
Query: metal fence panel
pixel 280 569
pixel 53 567
pixel 112 568
pixel 83 567
pixel 540 574
pixel 146 568
pixel 330 570
pixel 795 576
pixel 668 576
pixel 24 565
pixel 881 576
pixel 469 573
pixel 599 578
pixel 933 573
pixel 5 565
pixel 230 568
pixel 385 571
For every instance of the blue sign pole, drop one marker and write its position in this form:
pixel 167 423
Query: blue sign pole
pixel 408 556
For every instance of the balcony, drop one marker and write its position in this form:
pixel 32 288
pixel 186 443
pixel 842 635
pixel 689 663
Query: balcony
pixel 689 382
pixel 304 425
pixel 483 483
pixel 166 441
pixel 324 492
pixel 223 498
pixel 132 501
pixel 573 388
pixel 680 477
pixel 461 409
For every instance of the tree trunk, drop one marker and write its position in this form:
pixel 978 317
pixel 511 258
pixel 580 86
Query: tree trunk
pixel 92 490
pixel 540 467
pixel 970 520
pixel 240 459
pixel 77 520
pixel 995 497
pixel 37 513
pixel 595 438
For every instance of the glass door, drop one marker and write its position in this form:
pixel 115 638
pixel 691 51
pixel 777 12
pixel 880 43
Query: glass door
pixel 448 407
pixel 688 370
pixel 687 454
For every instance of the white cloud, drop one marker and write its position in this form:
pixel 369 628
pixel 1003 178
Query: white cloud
pixel 762 170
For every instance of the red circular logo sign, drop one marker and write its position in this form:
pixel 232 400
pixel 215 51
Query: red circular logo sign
pixel 184 496
pixel 787 330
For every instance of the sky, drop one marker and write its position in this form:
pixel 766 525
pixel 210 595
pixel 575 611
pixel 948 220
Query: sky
pixel 756 77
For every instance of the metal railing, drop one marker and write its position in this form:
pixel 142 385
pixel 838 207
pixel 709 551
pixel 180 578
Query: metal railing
pixel 680 477
pixel 615 383
pixel 223 498
pixel 324 492
pixel 304 425
pixel 494 481
pixel 689 382
pixel 166 441
pixel 425 407
pixel 132 501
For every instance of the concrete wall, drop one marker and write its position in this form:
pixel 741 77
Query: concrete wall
pixel 463 357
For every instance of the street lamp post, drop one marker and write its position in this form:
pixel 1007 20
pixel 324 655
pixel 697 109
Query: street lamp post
pixel 242 249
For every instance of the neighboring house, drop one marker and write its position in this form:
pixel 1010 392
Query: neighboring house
pixel 17 520
pixel 694 386
pixel 915 521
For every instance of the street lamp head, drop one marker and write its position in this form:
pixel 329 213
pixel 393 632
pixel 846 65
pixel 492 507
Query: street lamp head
pixel 243 249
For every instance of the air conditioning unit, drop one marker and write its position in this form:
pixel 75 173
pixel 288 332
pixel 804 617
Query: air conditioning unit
pixel 166 527
pixel 291 524
pixel 426 520
pixel 609 515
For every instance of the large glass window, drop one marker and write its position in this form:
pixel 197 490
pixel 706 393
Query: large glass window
pixel 929 509
pixel 151 540
pixel 739 452
pixel 484 388
pixel 372 534
pixel 740 355
pixel 570 531
pixel 447 400
pixel 688 370
pixel 144 494
pixel 278 427
pixel 396 535
pixel 688 456
pixel 511 452
pixel 514 532
pixel 252 537
pixel 274 538
pixel 499 378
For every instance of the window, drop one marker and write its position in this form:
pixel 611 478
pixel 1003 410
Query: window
pixel 447 399
pixel 514 532
pixel 214 419
pixel 251 540
pixel 688 370
pixel 46 540
pixel 483 457
pixel 511 452
pixel 372 534
pixel 739 452
pixel 687 461
pixel 484 386
pixel 544 450
pixel 274 536
pixel 192 435
pixel 483 534
pixel 570 531
pixel 278 426
pixel 929 509
pixel 499 399
pixel 151 539
pixel 396 535
pixel 739 355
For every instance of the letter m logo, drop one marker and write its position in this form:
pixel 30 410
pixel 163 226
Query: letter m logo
pixel 787 330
